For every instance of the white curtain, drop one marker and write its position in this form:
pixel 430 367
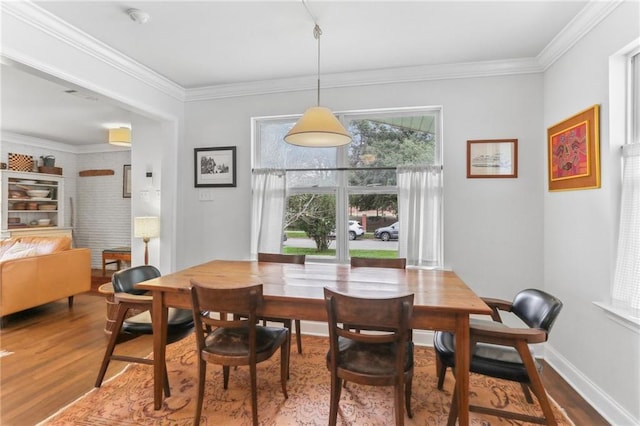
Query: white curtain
pixel 420 215
pixel 626 284
pixel 268 207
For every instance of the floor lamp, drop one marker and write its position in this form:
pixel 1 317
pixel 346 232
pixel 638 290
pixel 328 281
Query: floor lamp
pixel 146 227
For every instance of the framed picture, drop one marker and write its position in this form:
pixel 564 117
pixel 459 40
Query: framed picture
pixel 215 166
pixel 496 158
pixel 126 181
pixel 574 152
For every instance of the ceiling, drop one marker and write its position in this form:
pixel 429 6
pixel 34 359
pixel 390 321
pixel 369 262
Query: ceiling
pixel 211 43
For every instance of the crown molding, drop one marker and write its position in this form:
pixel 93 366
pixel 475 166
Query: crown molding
pixel 590 16
pixel 50 24
pixel 587 18
pixel 21 139
pixel 366 78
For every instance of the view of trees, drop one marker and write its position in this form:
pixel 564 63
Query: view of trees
pixel 375 144
pixel 315 214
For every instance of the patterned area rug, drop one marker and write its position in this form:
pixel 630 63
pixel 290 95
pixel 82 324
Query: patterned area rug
pixel 128 398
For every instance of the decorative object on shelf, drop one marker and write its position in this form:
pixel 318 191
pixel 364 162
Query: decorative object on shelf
pixel 20 162
pixel 48 160
pixel 215 166
pixel 146 227
pixel 573 147
pixel 3 166
pixel 126 181
pixel 318 127
pixel 496 158
pixel 100 172
pixel 120 136
pixel 38 193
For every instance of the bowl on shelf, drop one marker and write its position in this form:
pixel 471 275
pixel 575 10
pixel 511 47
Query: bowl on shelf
pixel 38 193
pixel 44 222
pixel 47 207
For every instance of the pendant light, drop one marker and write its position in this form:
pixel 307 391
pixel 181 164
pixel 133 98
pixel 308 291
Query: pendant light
pixel 120 136
pixel 318 127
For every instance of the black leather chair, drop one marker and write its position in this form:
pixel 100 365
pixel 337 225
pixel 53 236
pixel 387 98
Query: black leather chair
pixel 503 352
pixel 379 354
pixel 131 299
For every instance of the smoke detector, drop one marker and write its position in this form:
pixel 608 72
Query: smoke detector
pixel 139 16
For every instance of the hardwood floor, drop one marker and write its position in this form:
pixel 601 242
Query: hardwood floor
pixel 57 353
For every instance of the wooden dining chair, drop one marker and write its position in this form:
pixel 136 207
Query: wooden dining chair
pixel 380 354
pixel 236 341
pixel 399 262
pixel 285 258
pixel 503 352
pixel 129 301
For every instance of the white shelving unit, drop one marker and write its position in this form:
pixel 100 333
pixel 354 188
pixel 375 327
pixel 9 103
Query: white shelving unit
pixel 20 213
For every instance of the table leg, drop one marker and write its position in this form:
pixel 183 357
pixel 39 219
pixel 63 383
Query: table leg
pixel 463 358
pixel 159 318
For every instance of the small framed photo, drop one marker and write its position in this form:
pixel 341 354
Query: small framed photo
pixel 215 166
pixel 496 158
pixel 574 152
pixel 126 181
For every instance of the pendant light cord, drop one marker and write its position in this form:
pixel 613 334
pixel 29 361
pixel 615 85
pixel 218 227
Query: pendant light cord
pixel 317 32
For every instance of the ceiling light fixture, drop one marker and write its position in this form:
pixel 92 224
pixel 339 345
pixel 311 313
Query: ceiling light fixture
pixel 120 136
pixel 138 16
pixel 318 127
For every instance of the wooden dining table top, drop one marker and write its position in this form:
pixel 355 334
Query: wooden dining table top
pixel 291 284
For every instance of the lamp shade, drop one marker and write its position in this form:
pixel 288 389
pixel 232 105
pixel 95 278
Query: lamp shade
pixel 146 227
pixel 318 127
pixel 120 136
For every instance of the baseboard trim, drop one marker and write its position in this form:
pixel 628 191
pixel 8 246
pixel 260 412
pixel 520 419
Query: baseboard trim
pixel 594 395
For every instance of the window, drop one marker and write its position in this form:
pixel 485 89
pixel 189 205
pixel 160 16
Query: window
pixel 338 197
pixel 626 286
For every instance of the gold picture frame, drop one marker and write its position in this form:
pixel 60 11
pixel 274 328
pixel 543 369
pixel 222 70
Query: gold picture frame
pixel 573 149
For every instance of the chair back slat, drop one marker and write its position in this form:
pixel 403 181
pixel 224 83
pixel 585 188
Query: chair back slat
pixel 282 258
pixel 399 263
pixel 388 314
pixel 241 301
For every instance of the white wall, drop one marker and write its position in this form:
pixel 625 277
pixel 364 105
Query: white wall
pixel 496 249
pixel 103 216
pixel 580 229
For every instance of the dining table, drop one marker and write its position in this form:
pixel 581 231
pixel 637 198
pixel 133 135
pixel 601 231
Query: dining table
pixel 442 301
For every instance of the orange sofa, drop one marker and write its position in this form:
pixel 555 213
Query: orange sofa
pixel 38 270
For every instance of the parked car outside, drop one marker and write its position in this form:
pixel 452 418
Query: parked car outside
pixel 387 233
pixel 355 230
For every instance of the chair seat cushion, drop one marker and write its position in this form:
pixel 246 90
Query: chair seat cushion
pixel 180 321
pixel 367 358
pixel 235 341
pixel 492 360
